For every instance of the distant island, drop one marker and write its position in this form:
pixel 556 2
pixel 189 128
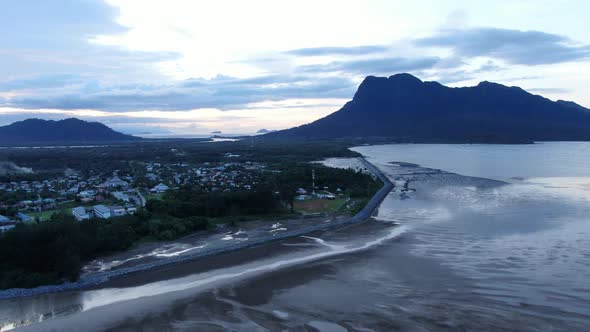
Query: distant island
pixel 67 131
pixel 263 131
pixel 402 108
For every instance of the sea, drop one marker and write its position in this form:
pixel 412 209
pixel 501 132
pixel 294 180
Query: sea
pixel 472 238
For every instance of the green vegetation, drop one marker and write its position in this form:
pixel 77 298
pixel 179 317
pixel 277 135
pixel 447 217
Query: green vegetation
pixel 320 205
pixel 52 251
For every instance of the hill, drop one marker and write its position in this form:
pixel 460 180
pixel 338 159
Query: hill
pixel 66 131
pixel 403 108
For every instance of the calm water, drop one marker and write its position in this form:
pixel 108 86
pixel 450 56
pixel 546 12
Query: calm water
pixel 478 237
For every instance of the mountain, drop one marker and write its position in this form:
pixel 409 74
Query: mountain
pixel 62 131
pixel 403 108
pixel 264 131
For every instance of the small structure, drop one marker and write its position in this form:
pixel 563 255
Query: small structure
pixel 5 224
pixel 114 182
pixel 87 193
pixel 24 217
pixel 120 196
pixel 301 191
pixel 118 211
pixel 101 211
pixel 160 188
pixel 80 213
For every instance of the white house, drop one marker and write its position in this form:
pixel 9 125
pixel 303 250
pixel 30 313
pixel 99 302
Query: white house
pixel 101 211
pixel 115 181
pixel 80 213
pixel 120 196
pixel 301 191
pixel 87 193
pixel 160 188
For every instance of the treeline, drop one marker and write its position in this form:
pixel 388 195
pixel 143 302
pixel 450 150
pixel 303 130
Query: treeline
pixel 53 251
pixel 105 159
pixel 299 175
pixel 190 202
pixel 274 194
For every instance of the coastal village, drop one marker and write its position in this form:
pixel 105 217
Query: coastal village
pixel 118 194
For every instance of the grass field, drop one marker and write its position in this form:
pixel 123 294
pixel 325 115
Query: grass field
pixel 45 215
pixel 320 205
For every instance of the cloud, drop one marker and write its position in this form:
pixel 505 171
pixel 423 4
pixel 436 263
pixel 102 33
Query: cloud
pixel 512 46
pixel 389 65
pixel 549 90
pixel 222 92
pixel 51 44
pixel 43 81
pixel 352 50
pixel 50 25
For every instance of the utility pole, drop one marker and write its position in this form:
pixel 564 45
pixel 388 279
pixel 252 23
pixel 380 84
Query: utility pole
pixel 313 181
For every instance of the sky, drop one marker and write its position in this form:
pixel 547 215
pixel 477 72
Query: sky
pixel 184 67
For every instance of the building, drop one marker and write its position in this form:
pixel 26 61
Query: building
pixel 118 211
pixel 101 211
pixel 114 182
pixel 24 217
pixel 120 196
pixel 87 193
pixel 301 191
pixel 160 188
pixel 5 224
pixel 80 213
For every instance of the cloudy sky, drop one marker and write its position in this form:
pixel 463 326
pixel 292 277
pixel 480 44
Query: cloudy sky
pixel 180 67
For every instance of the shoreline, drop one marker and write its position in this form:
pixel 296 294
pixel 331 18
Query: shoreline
pixel 97 279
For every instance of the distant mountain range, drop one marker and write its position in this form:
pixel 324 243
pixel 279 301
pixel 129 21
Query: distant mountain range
pixel 403 108
pixel 37 131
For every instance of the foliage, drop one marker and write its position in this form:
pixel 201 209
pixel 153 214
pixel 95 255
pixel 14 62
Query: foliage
pixel 53 251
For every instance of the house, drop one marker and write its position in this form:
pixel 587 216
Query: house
pixel 87 193
pixel 115 181
pixel 101 211
pixel 160 188
pixel 48 200
pixel 80 213
pixel 131 210
pixel 6 226
pixel 118 211
pixel 24 217
pixel 73 190
pixel 4 219
pixel 120 196
pixel 301 191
